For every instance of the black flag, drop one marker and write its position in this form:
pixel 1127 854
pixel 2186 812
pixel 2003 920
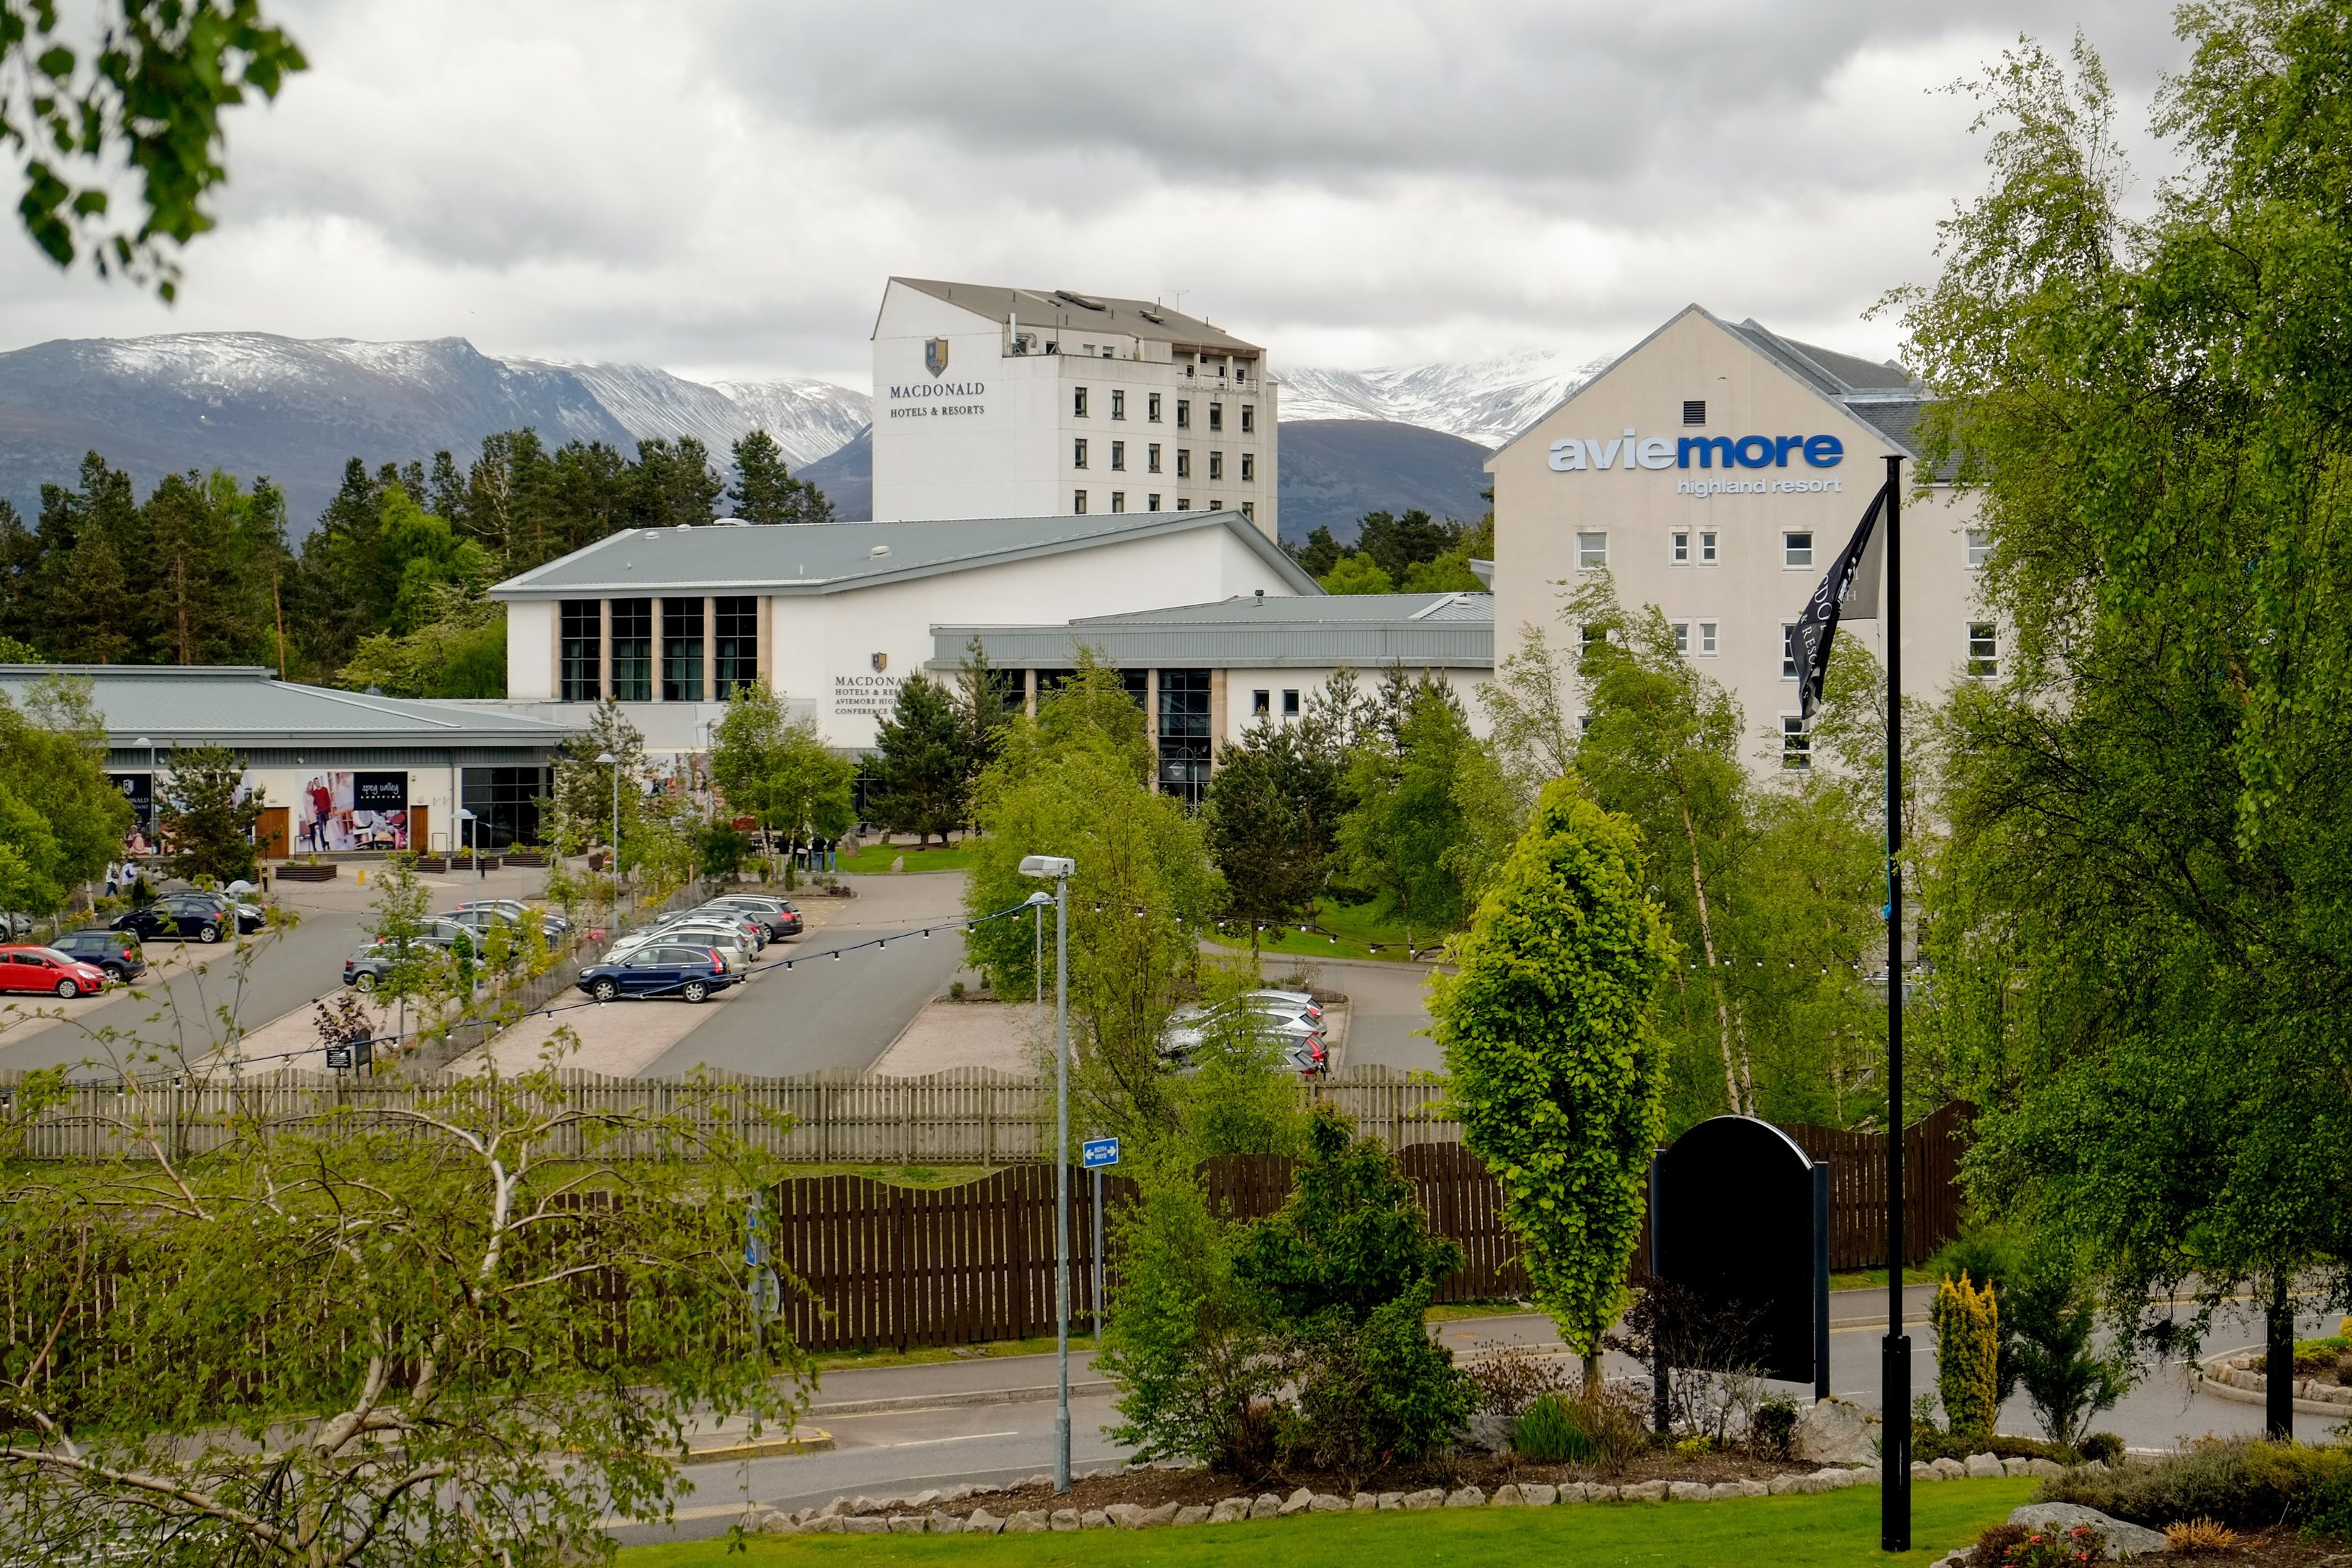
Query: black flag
pixel 1854 573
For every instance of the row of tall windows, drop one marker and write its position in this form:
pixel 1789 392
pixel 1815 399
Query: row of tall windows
pixel 1703 547
pixel 729 646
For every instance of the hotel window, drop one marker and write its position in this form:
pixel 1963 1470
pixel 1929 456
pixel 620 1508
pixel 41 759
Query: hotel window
pixel 1118 501
pixel 1984 649
pixel 1216 415
pixel 1078 453
pixel 734 645
pixel 1151 457
pixel 1249 417
pixel 1249 468
pixel 1796 746
pixel 1216 465
pixel 1261 704
pixel 583 651
pixel 1152 501
pixel 1290 703
pixel 1249 509
pixel 633 650
pixel 1183 413
pixel 1682 638
pixel 1184 462
pixel 1079 401
pixel 1215 505
pixel 1183 503
pixel 1592 552
pixel 681 650
pixel 1078 500
pixel 1117 404
pixel 1980 548
pixel 1787 651
pixel 1796 550
pixel 1152 408
pixel 1679 547
pixel 1588 638
pixel 1694 411
pixel 1118 456
pixel 1706 639
pixel 1706 547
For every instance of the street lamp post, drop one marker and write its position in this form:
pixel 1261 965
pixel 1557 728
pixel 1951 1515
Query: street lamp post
pixel 615 762
pixel 473 836
pixel 1059 867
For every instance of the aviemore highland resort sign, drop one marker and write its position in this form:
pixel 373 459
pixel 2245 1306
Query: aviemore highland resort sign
pixel 1631 451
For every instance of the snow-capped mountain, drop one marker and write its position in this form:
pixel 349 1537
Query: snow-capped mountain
pixel 297 410
pixel 1485 401
pixel 808 418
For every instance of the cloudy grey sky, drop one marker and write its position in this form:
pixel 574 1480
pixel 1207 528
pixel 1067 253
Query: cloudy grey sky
pixel 721 186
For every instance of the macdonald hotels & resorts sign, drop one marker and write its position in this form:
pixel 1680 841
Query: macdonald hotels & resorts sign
pixel 936 398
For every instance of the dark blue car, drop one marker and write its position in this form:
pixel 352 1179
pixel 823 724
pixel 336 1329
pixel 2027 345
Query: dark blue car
pixel 659 969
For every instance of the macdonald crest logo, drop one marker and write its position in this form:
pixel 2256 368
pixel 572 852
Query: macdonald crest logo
pixel 882 660
pixel 935 358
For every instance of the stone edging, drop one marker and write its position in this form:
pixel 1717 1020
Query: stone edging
pixel 926 1514
pixel 2235 1374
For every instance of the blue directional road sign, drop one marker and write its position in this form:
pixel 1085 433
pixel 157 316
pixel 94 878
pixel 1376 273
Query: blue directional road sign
pixel 1097 1153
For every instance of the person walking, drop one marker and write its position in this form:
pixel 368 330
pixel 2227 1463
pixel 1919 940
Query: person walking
pixel 113 876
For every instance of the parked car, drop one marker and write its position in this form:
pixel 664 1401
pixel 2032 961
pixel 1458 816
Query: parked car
pixel 27 968
pixel 119 953
pixel 481 918
pixel 554 924
pixel 754 929
pixel 1299 1038
pixel 659 969
pixel 186 916
pixel 734 945
pixel 365 969
pixel 1300 1002
pixel 781 918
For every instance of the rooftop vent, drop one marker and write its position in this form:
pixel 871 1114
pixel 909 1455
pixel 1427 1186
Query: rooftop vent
pixel 684 526
pixel 880 550
pixel 1078 300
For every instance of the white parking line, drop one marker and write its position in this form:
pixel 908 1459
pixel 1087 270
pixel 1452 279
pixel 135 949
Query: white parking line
pixel 933 1442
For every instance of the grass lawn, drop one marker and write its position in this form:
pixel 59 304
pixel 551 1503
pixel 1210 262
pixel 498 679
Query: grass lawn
pixel 1825 1530
pixel 1341 931
pixel 875 858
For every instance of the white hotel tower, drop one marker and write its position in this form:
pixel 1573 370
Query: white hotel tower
pixel 1024 403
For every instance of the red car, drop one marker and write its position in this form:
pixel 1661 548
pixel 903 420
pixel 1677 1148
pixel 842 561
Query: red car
pixel 46 969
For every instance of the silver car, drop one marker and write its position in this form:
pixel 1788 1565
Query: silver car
pixel 731 944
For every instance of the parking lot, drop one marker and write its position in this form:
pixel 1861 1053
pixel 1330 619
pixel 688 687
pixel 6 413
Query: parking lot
pixel 840 1012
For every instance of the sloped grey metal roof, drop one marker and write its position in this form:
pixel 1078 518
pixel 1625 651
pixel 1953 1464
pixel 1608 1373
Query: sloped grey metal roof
pixel 1143 318
pixel 792 559
pixel 1361 631
pixel 244 707
pixel 1844 376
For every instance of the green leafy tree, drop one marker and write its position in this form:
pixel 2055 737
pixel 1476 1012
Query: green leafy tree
pixel 1412 834
pixel 488 1320
pixel 2149 851
pixel 207 826
pixel 130 84
pixel 1272 816
pixel 2053 1323
pixel 916 778
pixel 781 771
pixel 582 810
pixel 69 820
pixel 1356 573
pixel 1348 1270
pixel 458 651
pixel 1558 1067
pixel 1074 782
pixel 417 971
pixel 764 491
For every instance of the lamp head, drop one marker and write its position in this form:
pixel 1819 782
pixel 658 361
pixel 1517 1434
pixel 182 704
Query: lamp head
pixel 1039 897
pixel 607 758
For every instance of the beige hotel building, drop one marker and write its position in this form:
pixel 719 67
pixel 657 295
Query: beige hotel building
pixel 1714 471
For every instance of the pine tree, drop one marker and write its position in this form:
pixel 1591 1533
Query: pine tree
pixel 916 779
pixel 1272 815
pixel 765 492
pixel 209 830
pixel 673 483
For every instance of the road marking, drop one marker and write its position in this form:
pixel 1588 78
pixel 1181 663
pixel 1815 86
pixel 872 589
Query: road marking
pixel 932 1442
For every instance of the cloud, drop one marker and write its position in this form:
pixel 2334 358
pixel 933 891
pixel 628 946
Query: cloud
pixel 721 188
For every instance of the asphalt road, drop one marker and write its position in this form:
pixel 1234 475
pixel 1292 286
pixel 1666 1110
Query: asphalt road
pixel 834 1012
pixel 899 1452
pixel 181 1013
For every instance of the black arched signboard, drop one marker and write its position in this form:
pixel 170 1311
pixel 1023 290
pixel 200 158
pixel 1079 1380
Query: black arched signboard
pixel 1738 1213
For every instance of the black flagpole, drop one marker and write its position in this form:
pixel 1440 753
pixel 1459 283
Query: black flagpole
pixel 1894 1354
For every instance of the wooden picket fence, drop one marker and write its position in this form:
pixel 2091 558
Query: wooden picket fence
pixel 970 1116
